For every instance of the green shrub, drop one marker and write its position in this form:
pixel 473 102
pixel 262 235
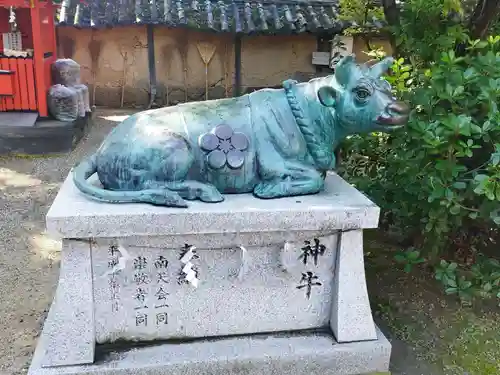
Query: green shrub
pixel 438 180
pixel 481 280
pixel 429 27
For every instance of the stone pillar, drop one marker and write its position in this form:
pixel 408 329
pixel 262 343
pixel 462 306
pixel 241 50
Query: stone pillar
pixel 69 330
pixel 351 318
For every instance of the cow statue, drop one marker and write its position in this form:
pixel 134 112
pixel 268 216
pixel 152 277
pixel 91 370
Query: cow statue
pixel 272 142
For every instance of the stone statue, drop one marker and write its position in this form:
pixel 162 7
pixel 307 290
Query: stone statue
pixel 272 142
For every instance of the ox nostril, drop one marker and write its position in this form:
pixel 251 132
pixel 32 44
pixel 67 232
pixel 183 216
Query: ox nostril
pixel 399 108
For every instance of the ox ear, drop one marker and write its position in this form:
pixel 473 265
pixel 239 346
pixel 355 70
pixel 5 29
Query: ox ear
pixel 327 96
pixel 346 70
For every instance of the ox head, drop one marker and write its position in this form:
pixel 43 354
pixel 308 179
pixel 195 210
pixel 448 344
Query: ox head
pixel 362 101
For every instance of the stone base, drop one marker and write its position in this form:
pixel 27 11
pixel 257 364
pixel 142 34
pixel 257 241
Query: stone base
pixel 254 276
pixel 303 353
pixel 259 292
pixel 47 136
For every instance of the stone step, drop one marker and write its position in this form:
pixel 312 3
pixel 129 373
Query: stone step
pixel 286 354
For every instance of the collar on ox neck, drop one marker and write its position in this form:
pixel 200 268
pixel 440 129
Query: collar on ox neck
pixel 318 151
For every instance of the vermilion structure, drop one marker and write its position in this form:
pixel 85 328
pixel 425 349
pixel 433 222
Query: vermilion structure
pixel 25 80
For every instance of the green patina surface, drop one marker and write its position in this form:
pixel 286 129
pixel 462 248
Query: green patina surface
pixel 272 142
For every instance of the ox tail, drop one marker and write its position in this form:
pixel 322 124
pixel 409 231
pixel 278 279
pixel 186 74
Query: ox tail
pixel 157 196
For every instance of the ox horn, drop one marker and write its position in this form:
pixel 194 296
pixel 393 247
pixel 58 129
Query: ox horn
pixel 376 70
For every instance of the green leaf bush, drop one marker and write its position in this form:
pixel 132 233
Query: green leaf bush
pixel 438 180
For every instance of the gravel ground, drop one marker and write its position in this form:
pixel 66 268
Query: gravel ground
pixel 29 259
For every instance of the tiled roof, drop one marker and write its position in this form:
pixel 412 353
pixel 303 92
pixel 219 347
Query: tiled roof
pixel 266 16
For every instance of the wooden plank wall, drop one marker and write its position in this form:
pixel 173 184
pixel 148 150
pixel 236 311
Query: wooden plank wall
pixel 24 98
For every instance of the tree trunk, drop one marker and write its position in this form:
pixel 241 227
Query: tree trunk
pixel 391 13
pixel 484 13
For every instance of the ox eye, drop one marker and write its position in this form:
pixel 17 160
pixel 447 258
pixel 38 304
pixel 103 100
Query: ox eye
pixel 362 94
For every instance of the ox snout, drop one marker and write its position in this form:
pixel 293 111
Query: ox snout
pixel 396 114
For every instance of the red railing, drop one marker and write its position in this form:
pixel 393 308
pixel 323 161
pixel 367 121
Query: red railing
pixel 24 95
pixel 31 79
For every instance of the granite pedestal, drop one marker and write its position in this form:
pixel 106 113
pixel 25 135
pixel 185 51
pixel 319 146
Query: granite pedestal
pixel 244 286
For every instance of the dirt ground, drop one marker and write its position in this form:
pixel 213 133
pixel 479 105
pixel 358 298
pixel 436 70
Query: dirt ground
pixel 29 259
pixel 430 334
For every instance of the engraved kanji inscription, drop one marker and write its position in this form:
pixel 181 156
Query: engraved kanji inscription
pixel 312 250
pixel 141 278
pixel 140 297
pixel 161 297
pixel 161 262
pixel 114 285
pixel 113 250
pixel 181 277
pixel 114 289
pixel 307 281
pixel 189 273
pixel 112 262
pixel 161 318
pixel 113 253
pixel 141 320
pixel 140 263
pixel 162 277
pixel 186 249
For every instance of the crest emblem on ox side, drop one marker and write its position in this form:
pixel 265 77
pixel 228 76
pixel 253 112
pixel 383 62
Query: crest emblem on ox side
pixel 224 147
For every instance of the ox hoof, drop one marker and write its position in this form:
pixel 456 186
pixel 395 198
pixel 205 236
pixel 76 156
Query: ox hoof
pixel 268 190
pixel 211 195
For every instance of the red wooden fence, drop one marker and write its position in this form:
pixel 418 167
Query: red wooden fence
pixel 24 95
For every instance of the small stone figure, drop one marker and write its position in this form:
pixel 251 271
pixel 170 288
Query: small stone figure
pixel 68 98
pixel 272 142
